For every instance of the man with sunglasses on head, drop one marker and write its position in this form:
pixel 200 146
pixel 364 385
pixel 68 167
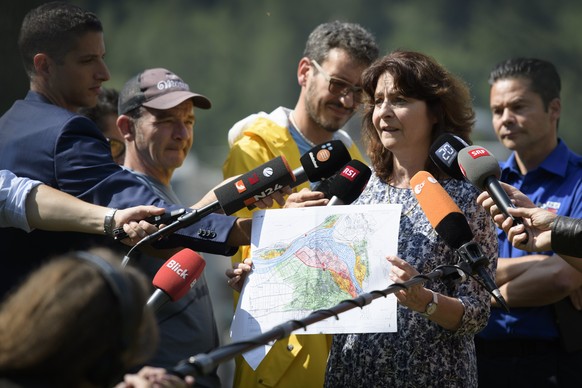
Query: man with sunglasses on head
pixel 329 73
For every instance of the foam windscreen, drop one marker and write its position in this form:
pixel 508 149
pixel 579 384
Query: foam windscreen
pixel 350 181
pixel 324 160
pixel 441 211
pixel 443 152
pixel 178 273
pixel 254 185
pixel 478 164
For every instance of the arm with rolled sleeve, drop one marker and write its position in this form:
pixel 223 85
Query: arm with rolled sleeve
pixel 13 193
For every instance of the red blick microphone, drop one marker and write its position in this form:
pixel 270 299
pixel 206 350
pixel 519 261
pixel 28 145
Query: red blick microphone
pixel 176 277
pixel 347 185
pixel 451 225
pixel 482 170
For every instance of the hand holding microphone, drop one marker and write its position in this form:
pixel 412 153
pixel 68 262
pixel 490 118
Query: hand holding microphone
pixel 482 170
pixel 451 225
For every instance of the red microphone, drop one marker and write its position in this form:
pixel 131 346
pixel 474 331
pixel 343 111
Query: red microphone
pixel 176 277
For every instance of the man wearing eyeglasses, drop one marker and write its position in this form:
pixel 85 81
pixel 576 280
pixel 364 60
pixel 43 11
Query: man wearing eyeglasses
pixel 329 73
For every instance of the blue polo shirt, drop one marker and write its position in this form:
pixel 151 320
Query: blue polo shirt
pixel 555 185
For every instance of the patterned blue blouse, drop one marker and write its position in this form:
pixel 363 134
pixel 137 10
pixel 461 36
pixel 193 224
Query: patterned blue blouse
pixel 421 353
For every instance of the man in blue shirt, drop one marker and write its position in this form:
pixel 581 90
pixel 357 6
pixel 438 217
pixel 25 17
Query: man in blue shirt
pixel 525 347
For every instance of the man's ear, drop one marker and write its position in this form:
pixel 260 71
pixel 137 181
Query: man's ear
pixel 303 70
pixel 42 64
pixel 126 127
pixel 555 108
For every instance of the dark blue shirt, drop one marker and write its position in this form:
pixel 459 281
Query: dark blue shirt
pixel 556 185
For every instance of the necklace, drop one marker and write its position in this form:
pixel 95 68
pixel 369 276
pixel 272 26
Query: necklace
pixel 292 120
pixel 404 213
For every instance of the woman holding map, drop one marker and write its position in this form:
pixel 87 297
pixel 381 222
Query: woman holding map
pixel 413 100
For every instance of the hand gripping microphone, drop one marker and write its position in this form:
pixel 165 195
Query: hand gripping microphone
pixel 482 170
pixel 348 183
pixel 451 225
pixel 176 277
pixel 444 151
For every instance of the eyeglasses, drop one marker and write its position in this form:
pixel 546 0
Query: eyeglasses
pixel 117 147
pixel 339 87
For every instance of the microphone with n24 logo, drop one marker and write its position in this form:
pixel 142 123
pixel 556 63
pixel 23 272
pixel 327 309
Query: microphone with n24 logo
pixel 254 185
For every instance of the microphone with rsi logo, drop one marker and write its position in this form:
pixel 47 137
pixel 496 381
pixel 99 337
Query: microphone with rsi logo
pixel 347 184
pixel 482 170
pixel 176 277
pixel 451 225
pixel 444 151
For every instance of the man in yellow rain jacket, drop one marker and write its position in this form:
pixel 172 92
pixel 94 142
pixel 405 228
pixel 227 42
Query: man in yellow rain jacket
pixel 329 73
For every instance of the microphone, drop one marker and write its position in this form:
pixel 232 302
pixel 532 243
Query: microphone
pixel 347 184
pixel 482 170
pixel 176 277
pixel 255 185
pixel 321 162
pixel 451 225
pixel 443 152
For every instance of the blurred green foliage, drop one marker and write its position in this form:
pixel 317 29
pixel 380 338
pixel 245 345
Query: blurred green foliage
pixel 243 54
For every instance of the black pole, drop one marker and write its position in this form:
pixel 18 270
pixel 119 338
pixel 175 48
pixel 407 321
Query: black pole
pixel 205 363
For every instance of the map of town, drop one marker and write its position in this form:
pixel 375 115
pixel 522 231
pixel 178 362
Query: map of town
pixel 309 259
pixel 319 268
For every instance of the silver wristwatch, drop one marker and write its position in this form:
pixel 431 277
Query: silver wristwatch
pixel 432 305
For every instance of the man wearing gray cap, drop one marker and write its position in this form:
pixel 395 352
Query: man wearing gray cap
pixel 156 118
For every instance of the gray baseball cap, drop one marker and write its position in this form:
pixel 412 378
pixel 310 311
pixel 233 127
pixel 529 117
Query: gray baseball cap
pixel 159 89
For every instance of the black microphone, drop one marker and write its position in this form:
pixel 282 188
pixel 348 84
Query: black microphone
pixel 321 162
pixel 443 152
pixel 451 225
pixel 178 275
pixel 482 170
pixel 347 184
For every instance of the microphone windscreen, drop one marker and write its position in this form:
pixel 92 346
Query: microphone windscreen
pixel 254 185
pixel 477 164
pixel 443 153
pixel 441 211
pixel 178 273
pixel 324 160
pixel 350 181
